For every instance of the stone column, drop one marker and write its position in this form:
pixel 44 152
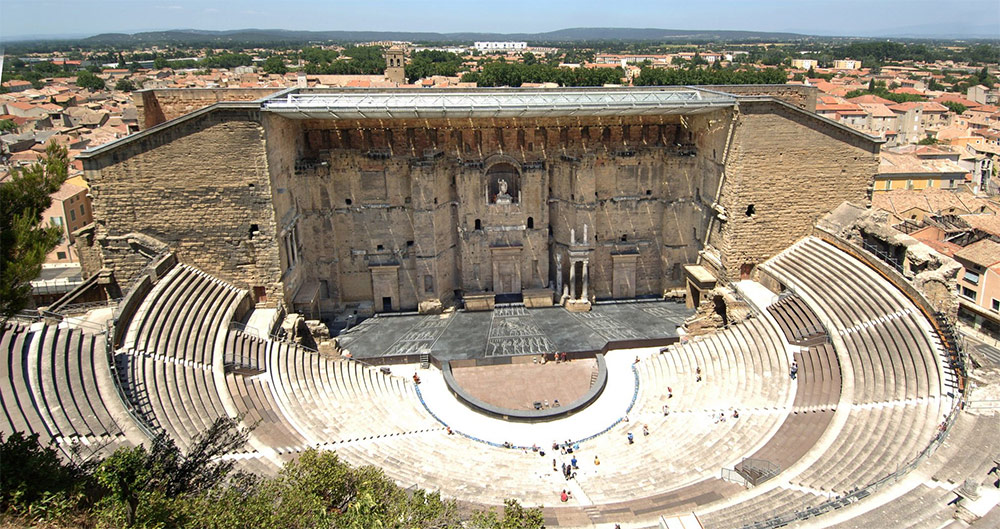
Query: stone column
pixel 572 280
pixel 558 274
pixel 586 278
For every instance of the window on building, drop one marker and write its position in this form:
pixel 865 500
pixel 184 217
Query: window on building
pixel 531 223
pixel 72 215
pixel 968 293
pixel 971 277
pixel 930 183
pixel 995 305
pixel 909 184
pixel 62 255
pixel 57 221
pixel 479 224
pixel 81 210
pixel 428 284
pixel 887 185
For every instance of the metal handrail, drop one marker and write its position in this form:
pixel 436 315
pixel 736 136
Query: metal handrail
pixel 109 351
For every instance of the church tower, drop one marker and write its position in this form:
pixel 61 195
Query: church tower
pixel 394 65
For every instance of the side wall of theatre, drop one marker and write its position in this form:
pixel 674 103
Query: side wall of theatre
pixel 154 106
pixel 201 186
pixel 784 170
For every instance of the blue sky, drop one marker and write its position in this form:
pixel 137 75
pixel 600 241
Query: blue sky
pixel 822 17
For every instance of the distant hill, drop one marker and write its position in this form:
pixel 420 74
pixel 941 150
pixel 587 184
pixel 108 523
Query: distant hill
pixel 268 36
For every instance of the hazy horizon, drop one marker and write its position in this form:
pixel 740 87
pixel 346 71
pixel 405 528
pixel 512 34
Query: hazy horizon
pixel 888 18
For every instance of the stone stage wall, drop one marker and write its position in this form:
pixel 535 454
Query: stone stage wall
pixel 408 213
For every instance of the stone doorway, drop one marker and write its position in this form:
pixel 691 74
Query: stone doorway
pixel 385 288
pixel 506 270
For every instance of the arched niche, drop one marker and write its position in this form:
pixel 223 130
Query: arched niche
pixel 503 183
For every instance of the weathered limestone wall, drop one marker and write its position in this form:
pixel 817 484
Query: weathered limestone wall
pixel 283 138
pixel 198 186
pixel 406 210
pixel 800 96
pixel 377 194
pixel 792 167
pixel 163 104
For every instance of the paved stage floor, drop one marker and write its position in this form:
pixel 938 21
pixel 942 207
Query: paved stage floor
pixel 513 330
pixel 520 386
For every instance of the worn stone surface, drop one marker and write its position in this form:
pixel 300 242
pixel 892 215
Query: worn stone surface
pixel 396 214
pixel 792 168
pixel 162 104
pixel 203 189
pixel 801 96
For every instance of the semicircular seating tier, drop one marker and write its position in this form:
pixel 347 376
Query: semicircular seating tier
pixel 871 391
pixel 896 391
pixel 56 382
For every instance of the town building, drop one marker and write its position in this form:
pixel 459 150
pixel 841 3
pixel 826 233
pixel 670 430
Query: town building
pixel 493 46
pixel 919 167
pixel 979 285
pixel 71 211
pixel 846 64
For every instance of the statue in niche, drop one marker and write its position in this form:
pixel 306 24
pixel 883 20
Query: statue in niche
pixel 502 196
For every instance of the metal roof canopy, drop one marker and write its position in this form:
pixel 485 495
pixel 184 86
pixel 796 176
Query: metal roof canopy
pixel 495 103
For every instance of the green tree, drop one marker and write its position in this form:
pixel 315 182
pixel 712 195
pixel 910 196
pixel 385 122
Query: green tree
pixel 35 478
pixel 528 58
pixel 515 516
pixel 24 242
pixel 160 62
pixel 955 107
pixel 7 125
pixel 928 141
pixel 87 79
pixel 146 485
pixel 275 65
pixel 427 63
pixel 124 85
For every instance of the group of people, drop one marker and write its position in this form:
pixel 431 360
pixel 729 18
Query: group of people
pixel 722 415
pixel 645 433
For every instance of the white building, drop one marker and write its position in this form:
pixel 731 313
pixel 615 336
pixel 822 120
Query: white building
pixel 805 64
pixel 846 64
pixel 501 46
